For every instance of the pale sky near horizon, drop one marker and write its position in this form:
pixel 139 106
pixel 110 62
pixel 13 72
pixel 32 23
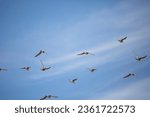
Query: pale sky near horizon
pixel 64 28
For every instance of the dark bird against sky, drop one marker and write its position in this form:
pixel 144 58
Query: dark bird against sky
pixel 26 68
pixel 129 75
pixel 2 69
pixel 139 58
pixel 122 40
pixel 73 81
pixel 85 53
pixel 91 69
pixel 48 97
pixel 40 52
pixel 43 68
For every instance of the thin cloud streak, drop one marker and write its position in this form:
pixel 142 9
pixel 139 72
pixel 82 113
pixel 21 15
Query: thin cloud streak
pixel 130 91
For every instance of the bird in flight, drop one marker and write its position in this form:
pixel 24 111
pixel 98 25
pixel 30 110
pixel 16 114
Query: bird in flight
pixel 26 68
pixel 43 68
pixel 139 58
pixel 85 53
pixel 129 75
pixel 122 40
pixel 40 52
pixel 2 69
pixel 73 81
pixel 48 97
pixel 91 69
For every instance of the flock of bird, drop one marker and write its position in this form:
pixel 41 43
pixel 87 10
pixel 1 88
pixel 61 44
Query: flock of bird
pixel 73 81
pixel 138 58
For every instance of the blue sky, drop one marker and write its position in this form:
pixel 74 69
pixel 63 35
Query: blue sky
pixel 64 28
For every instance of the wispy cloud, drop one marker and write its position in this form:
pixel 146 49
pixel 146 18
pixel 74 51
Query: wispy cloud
pixel 135 90
pixel 107 51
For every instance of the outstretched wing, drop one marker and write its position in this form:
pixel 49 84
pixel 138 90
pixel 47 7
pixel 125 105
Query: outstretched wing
pixel 38 54
pixel 47 68
pixel 144 57
pixel 124 38
pixel 43 98
pixel 74 80
pixel 81 53
pixel 4 69
pixel 126 76
pixel 42 64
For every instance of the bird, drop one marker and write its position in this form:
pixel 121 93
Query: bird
pixel 40 52
pixel 85 53
pixel 48 97
pixel 139 58
pixel 122 39
pixel 43 68
pixel 73 81
pixel 26 68
pixel 129 75
pixel 2 69
pixel 91 69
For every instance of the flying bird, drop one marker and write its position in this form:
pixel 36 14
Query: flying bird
pixel 73 81
pixel 129 75
pixel 43 68
pixel 26 68
pixel 40 52
pixel 91 69
pixel 2 69
pixel 122 40
pixel 139 58
pixel 85 53
pixel 48 97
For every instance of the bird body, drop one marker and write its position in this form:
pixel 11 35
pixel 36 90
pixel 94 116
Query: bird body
pixel 73 81
pixel 85 53
pixel 26 68
pixel 129 75
pixel 91 69
pixel 48 97
pixel 43 68
pixel 139 58
pixel 39 53
pixel 122 40
pixel 2 69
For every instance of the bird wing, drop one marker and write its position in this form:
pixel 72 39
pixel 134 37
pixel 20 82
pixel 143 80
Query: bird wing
pixel 81 53
pixel 126 76
pixel 74 80
pixel 42 64
pixel 47 68
pixel 144 57
pixel 38 54
pixel 22 68
pixel 43 98
pixel 124 38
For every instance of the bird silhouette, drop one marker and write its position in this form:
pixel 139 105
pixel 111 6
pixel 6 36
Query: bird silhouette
pixel 85 53
pixel 122 40
pixel 73 81
pixel 43 68
pixel 26 68
pixel 48 97
pixel 139 58
pixel 40 52
pixel 2 69
pixel 129 75
pixel 91 69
